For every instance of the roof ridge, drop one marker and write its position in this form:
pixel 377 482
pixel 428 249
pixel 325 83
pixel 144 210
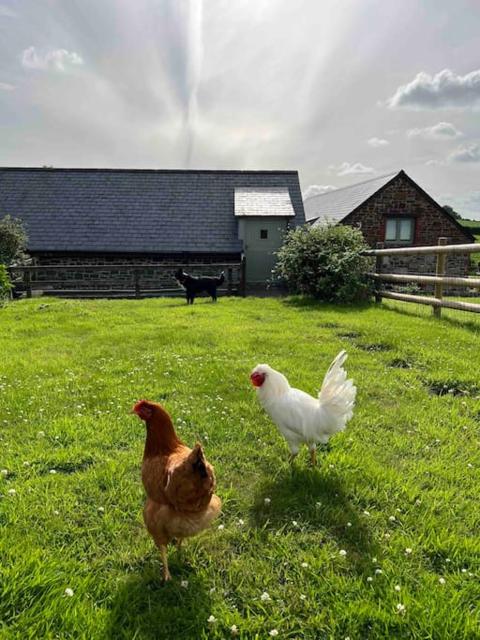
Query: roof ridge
pixel 123 170
pixel 355 184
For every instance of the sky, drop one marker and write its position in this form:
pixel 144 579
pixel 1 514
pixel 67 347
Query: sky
pixel 340 90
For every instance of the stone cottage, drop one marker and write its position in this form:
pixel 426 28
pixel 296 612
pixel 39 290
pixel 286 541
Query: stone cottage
pixel 395 211
pixel 127 216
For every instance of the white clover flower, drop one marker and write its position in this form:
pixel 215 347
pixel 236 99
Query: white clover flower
pixel 68 592
pixel 41 434
pixel 101 509
pixel 374 560
pixel 366 513
pixel 408 551
pixel 56 513
pixel 26 463
pixel 392 518
pixel 234 630
pixel 221 527
pixel 266 501
pixel 318 505
pixel 442 580
pixel 53 471
pixel 349 524
pixel 241 522
pixel 342 553
pixel 12 492
pixel 4 472
pixel 303 596
pixel 265 597
pixel 378 572
pixel 369 579
pixel 397 587
pixel 184 584
pixel 211 620
pixel 304 565
pixel 295 523
pixel 400 608
pixel 273 633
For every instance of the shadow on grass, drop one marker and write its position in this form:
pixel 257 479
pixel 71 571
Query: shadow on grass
pixel 145 607
pixel 464 322
pixel 318 501
pixel 307 303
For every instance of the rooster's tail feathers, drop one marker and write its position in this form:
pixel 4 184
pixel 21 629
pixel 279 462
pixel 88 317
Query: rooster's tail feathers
pixel 337 394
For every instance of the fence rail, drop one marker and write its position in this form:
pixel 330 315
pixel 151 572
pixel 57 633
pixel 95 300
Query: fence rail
pixel 440 280
pixel 119 280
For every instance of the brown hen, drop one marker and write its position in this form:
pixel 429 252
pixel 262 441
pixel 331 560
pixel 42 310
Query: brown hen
pixel 179 482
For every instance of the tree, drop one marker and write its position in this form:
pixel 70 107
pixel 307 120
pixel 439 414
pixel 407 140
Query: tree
pixel 13 241
pixel 452 212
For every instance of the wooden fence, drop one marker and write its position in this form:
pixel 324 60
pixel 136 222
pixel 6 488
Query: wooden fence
pixel 119 280
pixel 439 280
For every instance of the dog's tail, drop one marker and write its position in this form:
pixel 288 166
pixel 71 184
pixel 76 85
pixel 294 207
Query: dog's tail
pixel 221 279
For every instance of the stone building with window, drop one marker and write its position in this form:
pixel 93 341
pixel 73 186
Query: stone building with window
pixel 395 211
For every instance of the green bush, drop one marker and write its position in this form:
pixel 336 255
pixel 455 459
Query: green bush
pixel 5 286
pixel 13 241
pixel 325 262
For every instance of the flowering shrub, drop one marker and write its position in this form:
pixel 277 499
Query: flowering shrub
pixel 325 262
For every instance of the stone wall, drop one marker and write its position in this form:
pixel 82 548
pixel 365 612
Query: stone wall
pixel 157 272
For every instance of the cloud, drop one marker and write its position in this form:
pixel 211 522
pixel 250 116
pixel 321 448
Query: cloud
pixel 6 12
pixel 56 59
pixel 317 189
pixel 470 153
pixel 445 90
pixel 467 204
pixel 345 168
pixel 377 142
pixel 440 131
pixel 5 86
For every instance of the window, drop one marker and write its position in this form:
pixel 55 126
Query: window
pixel 263 234
pixel 399 230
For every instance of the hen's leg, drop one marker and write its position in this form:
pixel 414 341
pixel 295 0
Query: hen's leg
pixel 313 456
pixel 166 572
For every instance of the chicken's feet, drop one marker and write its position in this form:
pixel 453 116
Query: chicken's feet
pixel 166 573
pixel 313 457
pixel 291 458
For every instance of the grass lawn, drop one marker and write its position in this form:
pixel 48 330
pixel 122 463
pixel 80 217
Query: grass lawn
pixel 398 491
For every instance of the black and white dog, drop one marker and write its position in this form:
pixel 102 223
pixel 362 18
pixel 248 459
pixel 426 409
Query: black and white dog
pixel 194 285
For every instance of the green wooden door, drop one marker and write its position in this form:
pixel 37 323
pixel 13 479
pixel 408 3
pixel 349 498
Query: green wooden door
pixel 262 237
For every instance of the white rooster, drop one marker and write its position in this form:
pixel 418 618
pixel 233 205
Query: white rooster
pixel 303 419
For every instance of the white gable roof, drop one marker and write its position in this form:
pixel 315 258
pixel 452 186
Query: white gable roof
pixel 263 201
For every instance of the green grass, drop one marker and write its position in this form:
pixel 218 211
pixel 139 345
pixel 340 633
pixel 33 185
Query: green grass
pixel 403 476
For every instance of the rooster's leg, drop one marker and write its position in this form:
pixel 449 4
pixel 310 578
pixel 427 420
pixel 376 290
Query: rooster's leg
pixel 313 457
pixel 166 572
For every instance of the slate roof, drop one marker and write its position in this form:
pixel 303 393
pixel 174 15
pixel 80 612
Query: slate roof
pixel 333 206
pixel 133 211
pixel 263 201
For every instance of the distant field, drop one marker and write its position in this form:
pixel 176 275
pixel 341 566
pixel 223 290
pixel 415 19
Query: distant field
pixel 381 541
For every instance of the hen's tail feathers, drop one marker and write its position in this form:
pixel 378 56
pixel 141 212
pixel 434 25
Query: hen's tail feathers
pixel 221 279
pixel 337 394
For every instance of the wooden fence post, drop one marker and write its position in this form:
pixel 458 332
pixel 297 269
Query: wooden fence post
pixel 378 269
pixel 27 278
pixel 243 277
pixel 440 271
pixel 229 280
pixel 136 274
